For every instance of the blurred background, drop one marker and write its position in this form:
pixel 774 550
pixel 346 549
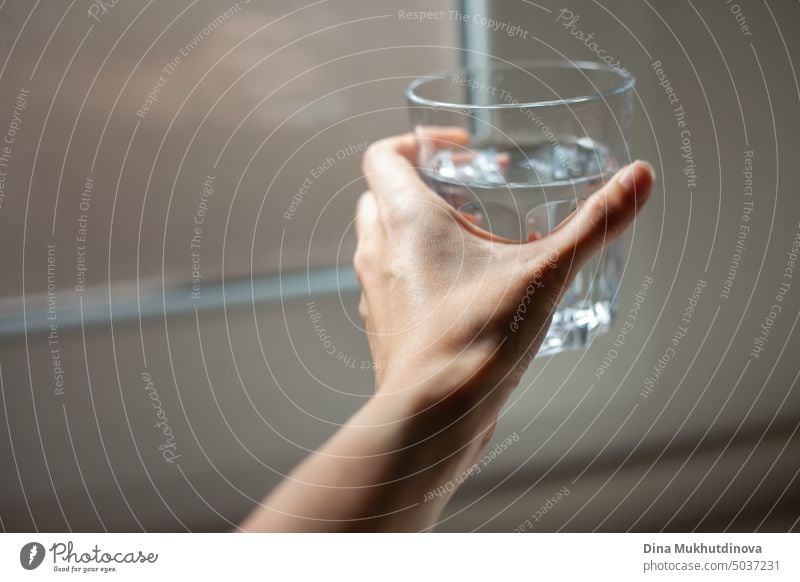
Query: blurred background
pixel 178 181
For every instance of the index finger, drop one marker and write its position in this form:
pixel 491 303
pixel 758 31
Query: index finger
pixel 390 164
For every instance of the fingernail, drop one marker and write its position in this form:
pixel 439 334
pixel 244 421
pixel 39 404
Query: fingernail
pixel 627 177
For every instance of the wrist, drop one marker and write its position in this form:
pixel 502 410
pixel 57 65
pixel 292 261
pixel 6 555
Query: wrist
pixel 447 385
pixel 448 413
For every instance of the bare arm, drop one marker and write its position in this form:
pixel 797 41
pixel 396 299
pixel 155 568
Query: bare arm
pixel 441 301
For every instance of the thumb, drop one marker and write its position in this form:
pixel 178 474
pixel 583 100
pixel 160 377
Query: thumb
pixel 604 215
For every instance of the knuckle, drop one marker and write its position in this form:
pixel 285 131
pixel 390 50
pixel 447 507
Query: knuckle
pixel 363 308
pixel 361 263
pixel 366 163
pixel 372 152
pixel 596 210
pixel 398 214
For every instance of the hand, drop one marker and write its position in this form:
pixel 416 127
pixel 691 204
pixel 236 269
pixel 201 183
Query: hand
pixel 446 301
pixel 442 303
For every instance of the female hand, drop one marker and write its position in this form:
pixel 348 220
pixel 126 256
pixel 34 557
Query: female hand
pixel 453 317
pixel 450 309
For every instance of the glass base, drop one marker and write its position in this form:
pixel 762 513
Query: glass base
pixel 573 328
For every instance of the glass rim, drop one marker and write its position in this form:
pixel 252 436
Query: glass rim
pixel 627 83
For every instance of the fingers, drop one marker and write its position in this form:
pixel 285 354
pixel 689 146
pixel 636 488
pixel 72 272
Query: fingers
pixel 603 216
pixel 390 164
pixel 363 308
pixel 432 139
pixel 366 215
pixel 389 167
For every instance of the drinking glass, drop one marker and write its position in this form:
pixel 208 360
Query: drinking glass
pixel 541 137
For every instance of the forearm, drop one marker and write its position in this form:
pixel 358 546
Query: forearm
pixel 373 474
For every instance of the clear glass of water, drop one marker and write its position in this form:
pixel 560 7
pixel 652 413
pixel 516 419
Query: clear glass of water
pixel 540 137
